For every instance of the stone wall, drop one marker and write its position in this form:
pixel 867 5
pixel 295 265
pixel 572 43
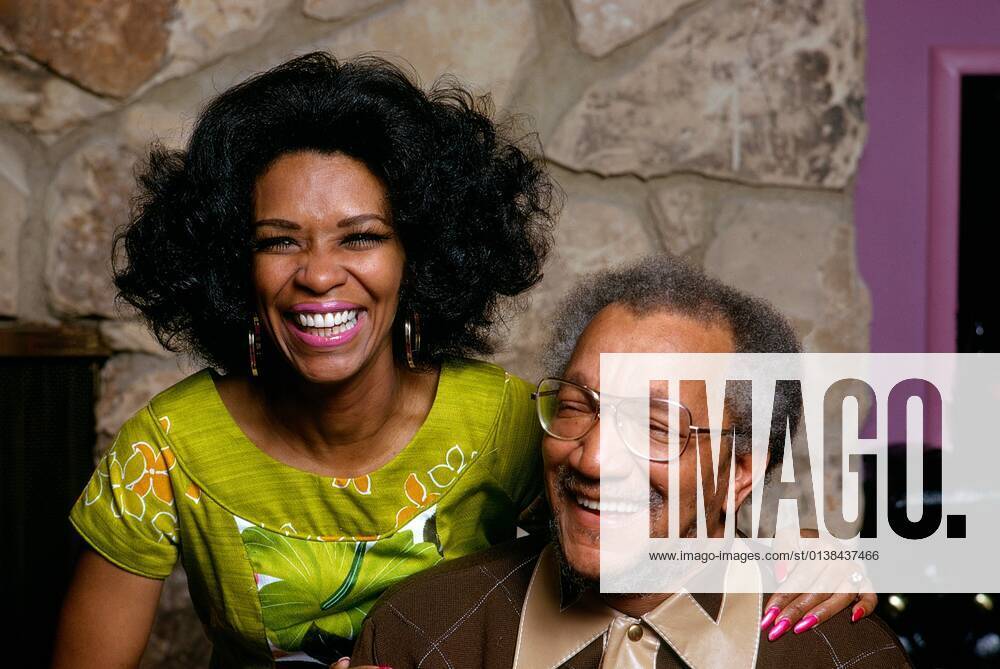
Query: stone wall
pixel 727 131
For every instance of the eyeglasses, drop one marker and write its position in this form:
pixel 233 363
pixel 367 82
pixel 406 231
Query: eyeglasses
pixel 568 411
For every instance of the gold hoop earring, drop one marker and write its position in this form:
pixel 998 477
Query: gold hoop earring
pixel 255 345
pixel 411 339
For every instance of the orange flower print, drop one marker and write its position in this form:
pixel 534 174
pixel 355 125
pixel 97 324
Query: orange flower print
pixel 165 424
pixel 419 499
pixel 361 484
pixel 342 537
pixel 129 474
pixel 193 493
pixel 155 475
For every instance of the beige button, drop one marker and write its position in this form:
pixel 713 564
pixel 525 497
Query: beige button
pixel 634 632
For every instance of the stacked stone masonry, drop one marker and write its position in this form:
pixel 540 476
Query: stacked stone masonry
pixel 726 131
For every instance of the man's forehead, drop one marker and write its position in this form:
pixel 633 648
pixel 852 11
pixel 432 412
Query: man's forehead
pixel 620 329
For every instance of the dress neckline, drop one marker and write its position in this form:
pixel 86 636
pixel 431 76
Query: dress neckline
pixel 268 460
pixel 227 466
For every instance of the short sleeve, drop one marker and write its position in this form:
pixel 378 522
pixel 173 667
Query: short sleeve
pixel 518 441
pixel 126 512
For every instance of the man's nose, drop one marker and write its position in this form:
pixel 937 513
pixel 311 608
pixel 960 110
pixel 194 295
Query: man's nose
pixel 588 456
pixel 321 272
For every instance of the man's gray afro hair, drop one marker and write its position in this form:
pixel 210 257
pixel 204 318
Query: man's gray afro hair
pixel 666 283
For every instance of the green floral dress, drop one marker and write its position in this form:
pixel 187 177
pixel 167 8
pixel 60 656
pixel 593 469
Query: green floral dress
pixel 283 565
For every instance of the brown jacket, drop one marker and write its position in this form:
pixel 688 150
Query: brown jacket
pixel 471 612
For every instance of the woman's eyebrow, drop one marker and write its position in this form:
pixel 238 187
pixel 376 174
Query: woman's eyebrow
pixel 276 223
pixel 350 221
pixel 358 219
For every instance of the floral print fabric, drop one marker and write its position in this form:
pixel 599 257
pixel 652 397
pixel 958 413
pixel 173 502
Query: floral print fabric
pixel 283 565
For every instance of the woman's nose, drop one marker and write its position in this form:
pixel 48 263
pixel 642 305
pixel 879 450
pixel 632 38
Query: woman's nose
pixel 321 272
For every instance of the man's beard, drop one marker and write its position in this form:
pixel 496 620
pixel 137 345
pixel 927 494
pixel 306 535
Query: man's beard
pixel 572 581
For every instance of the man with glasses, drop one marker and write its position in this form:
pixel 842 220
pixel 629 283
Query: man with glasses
pixel 535 603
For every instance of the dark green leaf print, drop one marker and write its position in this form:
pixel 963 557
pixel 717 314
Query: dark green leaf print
pixel 350 580
pixel 307 584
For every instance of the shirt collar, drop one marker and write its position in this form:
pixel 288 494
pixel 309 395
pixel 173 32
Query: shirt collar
pixel 559 620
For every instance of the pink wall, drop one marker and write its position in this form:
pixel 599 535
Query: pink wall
pixel 890 202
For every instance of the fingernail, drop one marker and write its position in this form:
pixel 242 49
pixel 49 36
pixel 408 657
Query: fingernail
pixel 806 623
pixel 780 571
pixel 857 614
pixel 769 617
pixel 779 628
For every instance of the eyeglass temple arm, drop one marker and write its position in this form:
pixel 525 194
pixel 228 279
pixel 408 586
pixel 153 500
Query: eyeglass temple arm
pixel 699 429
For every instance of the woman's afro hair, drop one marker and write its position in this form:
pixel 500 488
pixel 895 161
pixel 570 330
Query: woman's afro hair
pixel 472 207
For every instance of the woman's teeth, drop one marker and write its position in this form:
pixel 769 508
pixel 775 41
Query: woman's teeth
pixel 610 507
pixel 329 324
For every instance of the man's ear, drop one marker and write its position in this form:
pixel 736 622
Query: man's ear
pixel 743 479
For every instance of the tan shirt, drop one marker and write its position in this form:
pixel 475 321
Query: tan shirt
pixel 549 634
pixel 501 608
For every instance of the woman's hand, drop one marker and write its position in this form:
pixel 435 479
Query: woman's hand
pixel 345 662
pixel 802 612
pixel 107 616
pixel 842 584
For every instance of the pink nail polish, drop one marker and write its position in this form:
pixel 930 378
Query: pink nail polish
pixel 779 628
pixel 769 617
pixel 857 614
pixel 806 623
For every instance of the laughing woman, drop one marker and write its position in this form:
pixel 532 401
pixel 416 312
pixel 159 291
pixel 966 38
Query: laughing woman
pixel 333 243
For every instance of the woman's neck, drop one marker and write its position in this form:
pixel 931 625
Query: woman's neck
pixel 347 428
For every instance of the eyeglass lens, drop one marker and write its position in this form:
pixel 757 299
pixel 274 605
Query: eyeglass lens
pixel 568 411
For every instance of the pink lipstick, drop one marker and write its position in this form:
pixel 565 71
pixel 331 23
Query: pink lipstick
pixel 325 325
